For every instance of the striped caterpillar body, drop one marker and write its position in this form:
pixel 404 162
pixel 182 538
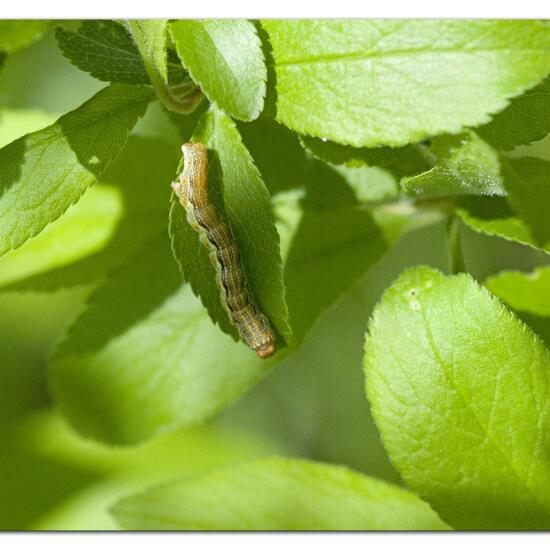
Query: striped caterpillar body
pixel 192 190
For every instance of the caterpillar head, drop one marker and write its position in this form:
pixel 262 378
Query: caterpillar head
pixel 264 345
pixel 267 350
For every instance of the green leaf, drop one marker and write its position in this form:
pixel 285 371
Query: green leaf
pixel 114 472
pixel 43 173
pixel 393 82
pixel 336 243
pixel 529 292
pixel 493 216
pixel 235 182
pixel 458 387
pixel 332 249
pixel 402 161
pixel 370 183
pixel 130 292
pixel 277 495
pixel 84 229
pixel 267 140
pixel 525 120
pixel 171 369
pixel 123 220
pixel 224 56
pixel 195 265
pixel 484 255
pixel 19 33
pixel 150 37
pixel 106 50
pixel 463 164
pixel 527 181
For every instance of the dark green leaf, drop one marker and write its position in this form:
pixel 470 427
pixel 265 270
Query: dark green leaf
pixel 401 161
pixel 105 49
pixel 484 255
pixel 525 120
pixel 527 181
pixel 331 251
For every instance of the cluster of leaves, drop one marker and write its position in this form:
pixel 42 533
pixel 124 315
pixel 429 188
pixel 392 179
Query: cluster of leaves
pixel 331 142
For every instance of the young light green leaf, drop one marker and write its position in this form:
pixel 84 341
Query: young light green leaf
pixel 525 120
pixel 150 37
pixel 234 183
pixel 401 161
pixel 277 494
pixel 171 369
pixel 106 50
pixel 43 173
pixel 224 56
pixel 493 216
pixel 463 164
pixel 393 82
pixel 529 292
pixel 19 33
pixel 527 181
pixel 458 387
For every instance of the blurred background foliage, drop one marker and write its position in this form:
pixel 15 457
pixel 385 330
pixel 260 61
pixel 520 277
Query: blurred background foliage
pixel 311 406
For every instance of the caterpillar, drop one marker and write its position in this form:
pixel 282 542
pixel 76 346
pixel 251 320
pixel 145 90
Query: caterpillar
pixel 191 188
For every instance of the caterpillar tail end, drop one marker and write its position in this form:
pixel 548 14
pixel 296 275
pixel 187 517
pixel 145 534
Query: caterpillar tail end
pixel 266 351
